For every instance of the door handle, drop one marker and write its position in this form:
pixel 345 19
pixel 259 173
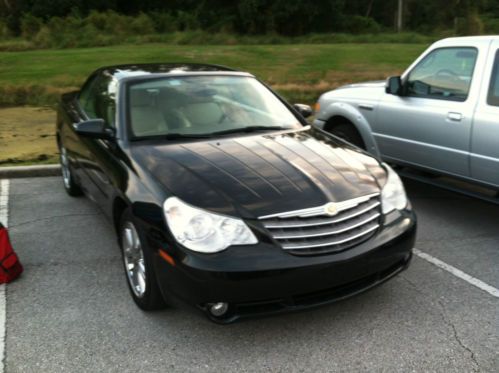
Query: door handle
pixel 455 117
pixel 366 107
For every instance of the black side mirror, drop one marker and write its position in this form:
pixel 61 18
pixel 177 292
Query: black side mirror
pixel 394 86
pixel 94 128
pixel 305 110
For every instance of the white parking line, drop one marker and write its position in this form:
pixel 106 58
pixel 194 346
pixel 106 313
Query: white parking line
pixel 4 219
pixel 458 273
pixel 4 202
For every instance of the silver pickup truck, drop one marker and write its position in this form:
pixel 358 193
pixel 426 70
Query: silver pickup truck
pixel 441 115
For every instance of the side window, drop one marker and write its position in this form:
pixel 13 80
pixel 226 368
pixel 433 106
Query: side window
pixel 493 95
pixel 98 99
pixel 105 103
pixel 86 98
pixel 443 74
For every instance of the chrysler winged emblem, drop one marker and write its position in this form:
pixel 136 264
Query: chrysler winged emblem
pixel 330 209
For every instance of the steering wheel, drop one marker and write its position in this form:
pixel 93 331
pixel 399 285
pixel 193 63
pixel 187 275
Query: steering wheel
pixel 224 115
pixel 446 72
pixel 222 119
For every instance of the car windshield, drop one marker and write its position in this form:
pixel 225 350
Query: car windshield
pixel 191 106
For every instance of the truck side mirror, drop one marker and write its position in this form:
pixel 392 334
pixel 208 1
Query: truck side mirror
pixel 305 110
pixel 394 86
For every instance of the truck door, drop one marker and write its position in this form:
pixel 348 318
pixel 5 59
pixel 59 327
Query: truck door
pixel 484 157
pixel 429 125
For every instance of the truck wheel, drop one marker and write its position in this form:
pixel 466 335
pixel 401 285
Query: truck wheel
pixel 348 133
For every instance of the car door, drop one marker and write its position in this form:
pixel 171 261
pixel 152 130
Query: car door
pixel 96 156
pixel 71 113
pixel 485 137
pixel 429 125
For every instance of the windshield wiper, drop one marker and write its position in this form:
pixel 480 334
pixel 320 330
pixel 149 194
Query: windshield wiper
pixel 175 136
pixel 250 129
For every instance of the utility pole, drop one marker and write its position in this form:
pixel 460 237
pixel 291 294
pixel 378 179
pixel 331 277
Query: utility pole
pixel 369 8
pixel 399 15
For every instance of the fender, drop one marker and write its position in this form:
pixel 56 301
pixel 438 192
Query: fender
pixel 146 203
pixel 352 114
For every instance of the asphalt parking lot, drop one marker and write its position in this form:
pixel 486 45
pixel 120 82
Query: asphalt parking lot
pixel 71 311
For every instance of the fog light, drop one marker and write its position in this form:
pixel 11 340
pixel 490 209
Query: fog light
pixel 218 309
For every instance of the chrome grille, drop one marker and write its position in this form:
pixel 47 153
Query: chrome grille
pixel 314 231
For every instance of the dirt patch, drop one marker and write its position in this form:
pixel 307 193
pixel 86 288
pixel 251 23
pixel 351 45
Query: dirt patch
pixel 27 135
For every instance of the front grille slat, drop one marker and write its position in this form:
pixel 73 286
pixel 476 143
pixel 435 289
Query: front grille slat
pixel 332 242
pixel 310 234
pixel 329 231
pixel 319 221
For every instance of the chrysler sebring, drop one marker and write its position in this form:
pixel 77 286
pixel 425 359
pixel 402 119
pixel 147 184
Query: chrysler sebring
pixel 223 196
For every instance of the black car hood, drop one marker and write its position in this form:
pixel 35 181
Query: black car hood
pixel 258 175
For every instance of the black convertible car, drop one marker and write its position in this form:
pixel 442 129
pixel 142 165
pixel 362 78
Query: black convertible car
pixel 223 196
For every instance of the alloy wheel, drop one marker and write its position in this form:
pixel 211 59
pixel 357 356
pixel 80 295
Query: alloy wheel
pixel 133 257
pixel 66 173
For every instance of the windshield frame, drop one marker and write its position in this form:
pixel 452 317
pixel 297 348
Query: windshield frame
pixel 125 98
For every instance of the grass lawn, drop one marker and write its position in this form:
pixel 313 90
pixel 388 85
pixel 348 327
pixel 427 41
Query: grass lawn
pixel 299 72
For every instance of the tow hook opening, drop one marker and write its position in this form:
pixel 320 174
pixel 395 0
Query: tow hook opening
pixel 218 309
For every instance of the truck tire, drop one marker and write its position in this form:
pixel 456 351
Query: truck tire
pixel 348 133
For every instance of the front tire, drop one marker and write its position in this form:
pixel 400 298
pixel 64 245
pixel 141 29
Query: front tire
pixel 68 180
pixel 138 264
pixel 348 133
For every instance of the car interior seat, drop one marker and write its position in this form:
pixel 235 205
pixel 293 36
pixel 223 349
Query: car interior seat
pixel 171 100
pixel 147 118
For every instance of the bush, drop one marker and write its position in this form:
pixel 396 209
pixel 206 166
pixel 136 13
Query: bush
pixel 97 29
pixel 30 25
pixel 163 22
pixel 117 24
pixel 110 22
pixel 469 25
pixel 187 21
pixel 4 30
pixel 43 38
pixel 491 25
pixel 142 25
pixel 97 20
pixel 109 27
pixel 361 25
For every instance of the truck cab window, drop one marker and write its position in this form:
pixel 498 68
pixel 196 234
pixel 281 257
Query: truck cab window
pixel 443 74
pixel 493 95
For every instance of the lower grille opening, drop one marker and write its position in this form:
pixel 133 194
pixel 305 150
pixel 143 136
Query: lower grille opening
pixel 302 301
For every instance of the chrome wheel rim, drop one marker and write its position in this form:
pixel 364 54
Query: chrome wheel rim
pixel 133 257
pixel 66 174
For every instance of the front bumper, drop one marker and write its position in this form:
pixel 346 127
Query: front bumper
pixel 264 279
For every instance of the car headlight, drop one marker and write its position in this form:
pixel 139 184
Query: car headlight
pixel 393 194
pixel 204 231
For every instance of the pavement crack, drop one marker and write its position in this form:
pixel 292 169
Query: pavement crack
pixel 50 218
pixel 447 321
pixel 457 338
